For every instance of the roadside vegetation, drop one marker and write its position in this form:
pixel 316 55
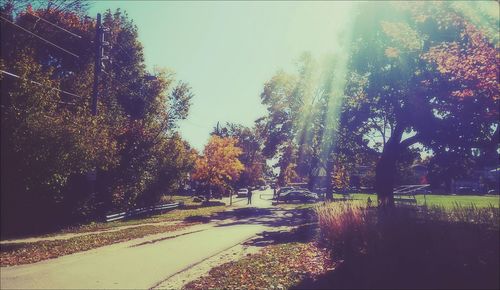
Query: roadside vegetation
pixel 52 143
pixel 424 247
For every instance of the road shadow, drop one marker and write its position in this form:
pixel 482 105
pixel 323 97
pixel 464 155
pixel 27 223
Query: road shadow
pixel 303 222
pixel 271 216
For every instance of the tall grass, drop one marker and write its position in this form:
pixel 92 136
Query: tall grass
pixel 416 247
pixel 343 226
pixel 350 227
pixel 470 214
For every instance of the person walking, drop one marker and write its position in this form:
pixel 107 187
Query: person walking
pixel 249 195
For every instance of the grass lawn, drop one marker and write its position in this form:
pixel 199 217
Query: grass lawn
pixel 447 201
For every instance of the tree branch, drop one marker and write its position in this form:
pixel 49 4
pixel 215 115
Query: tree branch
pixel 410 141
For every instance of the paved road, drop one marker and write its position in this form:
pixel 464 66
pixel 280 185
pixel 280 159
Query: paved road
pixel 145 262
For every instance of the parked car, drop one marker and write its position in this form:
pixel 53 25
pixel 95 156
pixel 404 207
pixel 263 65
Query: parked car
pixel 284 189
pixel 242 192
pixel 466 190
pixel 299 195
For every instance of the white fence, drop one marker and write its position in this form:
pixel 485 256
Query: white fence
pixel 139 211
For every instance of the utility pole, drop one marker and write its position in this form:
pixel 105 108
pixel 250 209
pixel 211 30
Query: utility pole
pixel 98 68
pixel 98 63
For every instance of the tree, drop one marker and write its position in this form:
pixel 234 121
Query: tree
pixel 219 165
pixel 250 141
pixel 414 94
pixel 49 138
pixel 301 120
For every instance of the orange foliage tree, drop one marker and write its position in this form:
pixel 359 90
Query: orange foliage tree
pixel 219 165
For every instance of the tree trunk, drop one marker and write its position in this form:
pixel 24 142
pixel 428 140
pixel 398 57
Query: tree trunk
pixel 209 195
pixel 385 173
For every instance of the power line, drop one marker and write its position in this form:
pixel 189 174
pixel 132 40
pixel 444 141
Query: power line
pixel 40 84
pixel 39 37
pixel 55 25
pixel 122 49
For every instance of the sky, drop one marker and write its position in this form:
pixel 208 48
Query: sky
pixel 226 50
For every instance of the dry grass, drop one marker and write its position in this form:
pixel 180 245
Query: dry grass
pixel 421 247
pixel 343 226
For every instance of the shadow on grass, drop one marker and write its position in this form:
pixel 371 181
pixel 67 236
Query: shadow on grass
pixel 197 219
pixel 202 205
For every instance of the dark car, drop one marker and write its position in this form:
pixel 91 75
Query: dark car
pixel 283 190
pixel 299 195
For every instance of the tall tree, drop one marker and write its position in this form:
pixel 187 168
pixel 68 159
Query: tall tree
pixel 299 107
pixel 414 94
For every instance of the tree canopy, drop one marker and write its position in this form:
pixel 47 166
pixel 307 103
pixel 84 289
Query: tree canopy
pixel 50 140
pixel 419 76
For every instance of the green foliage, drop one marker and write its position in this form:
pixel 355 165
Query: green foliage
pixel 50 141
pixel 422 74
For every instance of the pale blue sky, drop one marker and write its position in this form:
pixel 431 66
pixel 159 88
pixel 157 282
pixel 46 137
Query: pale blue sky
pixel 226 51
